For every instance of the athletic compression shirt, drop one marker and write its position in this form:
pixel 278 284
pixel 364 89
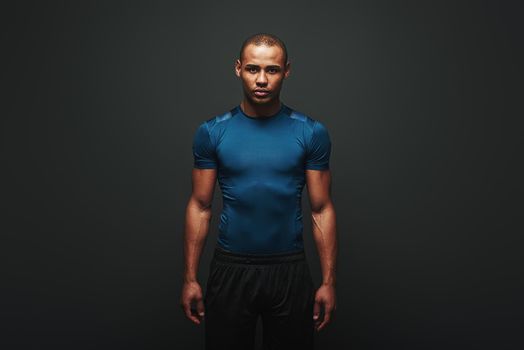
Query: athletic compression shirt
pixel 261 164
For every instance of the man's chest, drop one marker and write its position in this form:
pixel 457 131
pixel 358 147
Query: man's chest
pixel 277 151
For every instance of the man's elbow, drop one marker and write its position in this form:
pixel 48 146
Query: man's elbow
pixel 202 205
pixel 322 206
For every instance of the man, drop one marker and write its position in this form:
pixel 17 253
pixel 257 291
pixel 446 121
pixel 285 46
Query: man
pixel 262 152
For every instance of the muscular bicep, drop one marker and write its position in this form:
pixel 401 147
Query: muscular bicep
pixel 319 188
pixel 204 181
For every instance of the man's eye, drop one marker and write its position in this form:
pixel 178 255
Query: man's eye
pixel 252 70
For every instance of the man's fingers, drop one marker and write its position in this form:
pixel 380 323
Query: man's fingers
pixel 200 308
pixel 187 310
pixel 316 310
pixel 325 321
pixel 328 313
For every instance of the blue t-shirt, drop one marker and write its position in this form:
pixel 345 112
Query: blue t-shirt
pixel 261 164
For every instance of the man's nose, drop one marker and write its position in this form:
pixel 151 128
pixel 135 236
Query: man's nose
pixel 261 78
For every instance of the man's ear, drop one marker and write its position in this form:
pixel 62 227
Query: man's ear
pixel 287 70
pixel 238 67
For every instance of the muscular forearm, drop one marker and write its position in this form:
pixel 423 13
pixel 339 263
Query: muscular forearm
pixel 198 217
pixel 324 233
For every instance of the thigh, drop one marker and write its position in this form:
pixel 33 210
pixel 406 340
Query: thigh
pixel 288 320
pixel 230 318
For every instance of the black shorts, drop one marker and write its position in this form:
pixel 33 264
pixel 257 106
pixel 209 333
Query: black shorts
pixel 240 287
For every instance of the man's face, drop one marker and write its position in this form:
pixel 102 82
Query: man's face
pixel 262 72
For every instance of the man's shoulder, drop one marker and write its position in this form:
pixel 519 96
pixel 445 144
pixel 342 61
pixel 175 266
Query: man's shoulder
pixel 219 118
pixel 224 116
pixel 216 122
pixel 307 119
pixel 298 115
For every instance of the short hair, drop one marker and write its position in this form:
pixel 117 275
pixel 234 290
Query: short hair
pixel 264 39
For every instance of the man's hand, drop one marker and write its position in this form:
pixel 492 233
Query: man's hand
pixel 191 292
pixel 325 296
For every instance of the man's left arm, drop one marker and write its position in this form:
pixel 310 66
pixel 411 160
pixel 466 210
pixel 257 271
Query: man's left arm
pixel 324 233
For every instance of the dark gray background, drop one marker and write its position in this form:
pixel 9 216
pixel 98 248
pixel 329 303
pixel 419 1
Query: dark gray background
pixel 423 102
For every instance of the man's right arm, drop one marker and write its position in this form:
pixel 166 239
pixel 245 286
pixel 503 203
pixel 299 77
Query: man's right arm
pixel 198 217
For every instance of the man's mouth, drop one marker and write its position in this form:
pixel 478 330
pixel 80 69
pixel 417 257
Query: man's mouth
pixel 261 93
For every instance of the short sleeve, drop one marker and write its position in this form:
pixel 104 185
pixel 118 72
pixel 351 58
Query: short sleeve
pixel 319 148
pixel 204 154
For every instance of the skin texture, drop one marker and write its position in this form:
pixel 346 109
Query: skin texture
pixel 261 67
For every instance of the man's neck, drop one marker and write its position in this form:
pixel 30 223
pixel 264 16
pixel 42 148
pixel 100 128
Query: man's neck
pixel 254 110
